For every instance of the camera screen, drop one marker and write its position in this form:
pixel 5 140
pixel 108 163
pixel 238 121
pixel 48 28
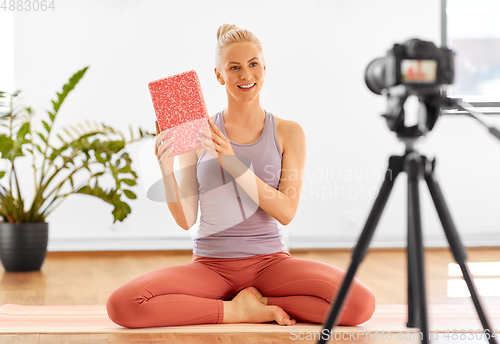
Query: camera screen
pixel 419 71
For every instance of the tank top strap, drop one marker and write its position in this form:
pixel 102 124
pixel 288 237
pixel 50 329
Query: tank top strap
pixel 272 133
pixel 217 119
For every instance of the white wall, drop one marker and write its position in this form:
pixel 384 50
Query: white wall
pixel 7 55
pixel 316 54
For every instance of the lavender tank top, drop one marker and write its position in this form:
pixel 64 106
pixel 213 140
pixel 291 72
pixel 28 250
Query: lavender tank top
pixel 232 225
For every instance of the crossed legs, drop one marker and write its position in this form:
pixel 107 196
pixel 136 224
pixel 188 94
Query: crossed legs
pixel 288 290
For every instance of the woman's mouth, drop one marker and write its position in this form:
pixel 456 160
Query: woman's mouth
pixel 246 87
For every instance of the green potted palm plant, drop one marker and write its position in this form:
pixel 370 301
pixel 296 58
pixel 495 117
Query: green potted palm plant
pixel 91 149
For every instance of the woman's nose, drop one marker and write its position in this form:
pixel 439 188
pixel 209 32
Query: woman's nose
pixel 245 74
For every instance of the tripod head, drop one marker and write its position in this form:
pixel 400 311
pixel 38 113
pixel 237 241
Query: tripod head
pixel 431 100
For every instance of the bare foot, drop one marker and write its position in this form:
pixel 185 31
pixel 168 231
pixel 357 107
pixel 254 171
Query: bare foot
pixel 246 307
pixel 258 294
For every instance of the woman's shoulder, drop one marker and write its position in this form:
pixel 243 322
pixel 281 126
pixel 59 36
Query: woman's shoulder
pixel 287 130
pixel 286 124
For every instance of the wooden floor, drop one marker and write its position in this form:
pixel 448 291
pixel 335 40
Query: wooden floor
pixel 87 278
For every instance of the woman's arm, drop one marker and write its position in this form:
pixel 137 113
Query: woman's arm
pixel 281 204
pixel 182 197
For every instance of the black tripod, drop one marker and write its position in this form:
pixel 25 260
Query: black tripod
pixel 416 166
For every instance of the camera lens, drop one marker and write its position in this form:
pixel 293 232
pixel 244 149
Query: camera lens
pixel 375 75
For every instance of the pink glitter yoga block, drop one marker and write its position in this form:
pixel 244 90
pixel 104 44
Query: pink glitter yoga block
pixel 180 107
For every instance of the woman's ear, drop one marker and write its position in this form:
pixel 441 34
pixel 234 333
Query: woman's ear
pixel 219 77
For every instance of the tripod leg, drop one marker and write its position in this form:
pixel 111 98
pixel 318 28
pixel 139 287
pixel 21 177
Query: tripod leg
pixel 411 268
pixel 414 168
pixel 456 246
pixel 395 165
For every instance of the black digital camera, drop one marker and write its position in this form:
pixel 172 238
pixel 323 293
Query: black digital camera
pixel 416 63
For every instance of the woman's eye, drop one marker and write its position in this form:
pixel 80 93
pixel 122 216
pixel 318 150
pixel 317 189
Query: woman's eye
pixel 253 64
pixel 233 67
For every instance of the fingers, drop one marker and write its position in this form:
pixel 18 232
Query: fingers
pixel 208 145
pixel 162 147
pixel 204 139
pixel 160 138
pixel 162 143
pixel 214 127
pixel 209 139
pixel 217 136
pixel 165 153
pixel 160 134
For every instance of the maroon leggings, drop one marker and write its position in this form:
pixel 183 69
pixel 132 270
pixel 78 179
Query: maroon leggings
pixel 193 293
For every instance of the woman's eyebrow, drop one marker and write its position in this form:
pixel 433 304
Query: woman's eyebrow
pixel 253 58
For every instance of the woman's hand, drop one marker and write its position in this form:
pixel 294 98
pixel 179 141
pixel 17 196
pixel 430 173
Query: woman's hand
pixel 218 145
pixel 162 151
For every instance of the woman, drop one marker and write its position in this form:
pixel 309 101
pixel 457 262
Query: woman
pixel 247 181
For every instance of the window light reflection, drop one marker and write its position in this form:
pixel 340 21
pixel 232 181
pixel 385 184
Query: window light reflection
pixel 485 287
pixel 476 269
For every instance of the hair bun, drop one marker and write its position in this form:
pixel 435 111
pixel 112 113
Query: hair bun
pixel 224 29
pixel 228 34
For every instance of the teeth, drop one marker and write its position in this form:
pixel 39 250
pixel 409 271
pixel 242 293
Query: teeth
pixel 246 86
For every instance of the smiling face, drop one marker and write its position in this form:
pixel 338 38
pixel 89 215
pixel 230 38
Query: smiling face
pixel 242 71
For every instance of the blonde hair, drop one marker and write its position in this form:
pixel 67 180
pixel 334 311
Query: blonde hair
pixel 228 34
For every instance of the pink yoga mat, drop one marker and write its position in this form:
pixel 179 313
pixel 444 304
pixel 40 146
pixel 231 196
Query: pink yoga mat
pixel 94 319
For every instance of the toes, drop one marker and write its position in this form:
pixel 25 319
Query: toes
pixel 282 318
pixel 286 321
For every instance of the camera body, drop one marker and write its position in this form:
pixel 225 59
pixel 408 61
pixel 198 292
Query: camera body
pixel 415 63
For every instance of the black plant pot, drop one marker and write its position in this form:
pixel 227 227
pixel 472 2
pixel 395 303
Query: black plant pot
pixel 23 246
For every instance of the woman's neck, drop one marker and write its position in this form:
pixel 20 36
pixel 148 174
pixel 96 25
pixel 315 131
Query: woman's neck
pixel 245 114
